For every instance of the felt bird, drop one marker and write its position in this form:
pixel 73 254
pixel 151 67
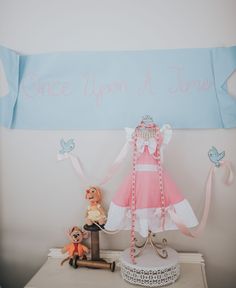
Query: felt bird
pixel 67 146
pixel 215 156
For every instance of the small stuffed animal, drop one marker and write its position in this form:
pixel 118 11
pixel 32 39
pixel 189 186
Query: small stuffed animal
pixel 95 212
pixel 76 235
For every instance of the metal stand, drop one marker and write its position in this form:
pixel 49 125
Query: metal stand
pixel 160 248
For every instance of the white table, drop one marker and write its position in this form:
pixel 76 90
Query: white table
pixel 51 274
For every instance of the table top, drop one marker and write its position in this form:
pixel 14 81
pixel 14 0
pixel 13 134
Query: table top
pixel 52 274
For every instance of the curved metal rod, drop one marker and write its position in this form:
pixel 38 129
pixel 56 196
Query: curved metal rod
pixel 159 247
pixel 161 252
pixel 164 242
pixel 140 246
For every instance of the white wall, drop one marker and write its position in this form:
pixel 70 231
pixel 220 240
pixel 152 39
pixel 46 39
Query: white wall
pixel 40 197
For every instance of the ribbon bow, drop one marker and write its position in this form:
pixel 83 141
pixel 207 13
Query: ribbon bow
pixel 151 143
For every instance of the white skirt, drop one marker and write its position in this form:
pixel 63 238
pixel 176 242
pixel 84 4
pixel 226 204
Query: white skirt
pixel 148 219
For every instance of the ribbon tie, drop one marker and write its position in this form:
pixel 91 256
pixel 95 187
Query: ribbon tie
pixel 227 180
pixel 151 143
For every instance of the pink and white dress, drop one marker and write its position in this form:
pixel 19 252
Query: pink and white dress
pixel 151 198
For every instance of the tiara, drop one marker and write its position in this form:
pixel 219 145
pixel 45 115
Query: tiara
pixel 147 119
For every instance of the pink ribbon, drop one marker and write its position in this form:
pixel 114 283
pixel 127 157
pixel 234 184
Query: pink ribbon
pixel 116 164
pixel 228 179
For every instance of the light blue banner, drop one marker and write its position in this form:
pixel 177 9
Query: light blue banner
pixel 9 72
pixel 111 90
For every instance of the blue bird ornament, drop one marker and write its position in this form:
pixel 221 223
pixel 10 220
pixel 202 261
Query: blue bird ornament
pixel 67 146
pixel 215 156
